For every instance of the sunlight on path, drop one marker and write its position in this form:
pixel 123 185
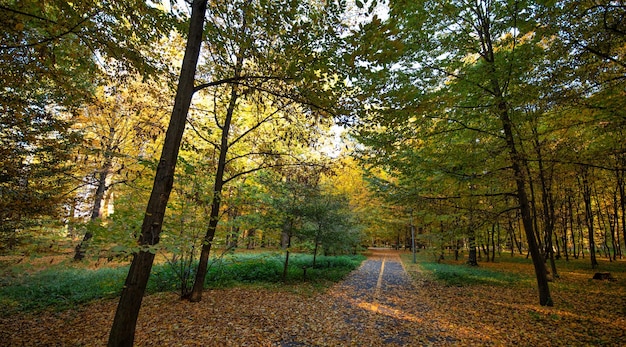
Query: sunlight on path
pixel 380 300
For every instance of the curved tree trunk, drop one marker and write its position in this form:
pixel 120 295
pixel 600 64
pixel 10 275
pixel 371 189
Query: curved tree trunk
pixel 123 330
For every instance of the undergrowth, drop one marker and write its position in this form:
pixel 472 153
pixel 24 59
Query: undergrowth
pixel 509 270
pixel 454 274
pixel 61 287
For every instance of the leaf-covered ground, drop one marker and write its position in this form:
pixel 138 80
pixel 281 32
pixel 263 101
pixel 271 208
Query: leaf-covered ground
pixel 376 305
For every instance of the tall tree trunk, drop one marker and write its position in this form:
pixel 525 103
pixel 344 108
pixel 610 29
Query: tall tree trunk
pixel 564 222
pixel 547 201
pixel 198 285
pixel 512 236
pixel 525 209
pixel 71 217
pixel 472 258
pixel 621 187
pixel 286 245
pixel 612 218
pixel 101 187
pixel 586 189
pixel 493 241
pixel 571 222
pixel 602 224
pixel 315 249
pixel 122 332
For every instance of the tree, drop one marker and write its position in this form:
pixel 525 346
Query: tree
pixel 288 189
pixel 328 223
pixel 123 329
pixel 36 111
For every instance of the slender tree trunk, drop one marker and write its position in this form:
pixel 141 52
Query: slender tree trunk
pixel 286 244
pixel 521 235
pixel 616 221
pixel 122 332
pixel 571 221
pixel 564 240
pixel 525 209
pixel 493 241
pixel 198 285
pixel 621 187
pixel 512 237
pixel 602 225
pixel 101 187
pixel 547 201
pixel 70 218
pixel 581 238
pixel 612 221
pixel 472 258
pixel 315 251
pixel 586 188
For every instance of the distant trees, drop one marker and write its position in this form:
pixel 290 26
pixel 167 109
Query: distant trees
pixel 49 60
pixel 121 127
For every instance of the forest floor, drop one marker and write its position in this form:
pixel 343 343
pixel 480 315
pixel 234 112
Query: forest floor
pixel 384 302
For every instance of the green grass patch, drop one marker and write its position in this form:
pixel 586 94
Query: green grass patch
pixel 462 274
pixel 62 286
pixel 268 268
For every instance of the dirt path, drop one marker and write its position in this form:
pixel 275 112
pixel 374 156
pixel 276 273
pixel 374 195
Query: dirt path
pixel 381 307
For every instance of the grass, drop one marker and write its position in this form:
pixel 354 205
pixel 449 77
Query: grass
pixel 63 286
pixel 460 274
pixel 506 270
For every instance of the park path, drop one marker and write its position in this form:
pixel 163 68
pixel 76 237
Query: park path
pixel 381 306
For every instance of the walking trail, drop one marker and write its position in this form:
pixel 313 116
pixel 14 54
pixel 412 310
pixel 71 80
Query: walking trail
pixel 382 307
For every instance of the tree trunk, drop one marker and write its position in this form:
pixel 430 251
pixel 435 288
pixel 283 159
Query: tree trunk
pixel 602 225
pixel 621 186
pixel 286 245
pixel 315 252
pixel 586 188
pixel 612 218
pixel 493 241
pixel 70 219
pixel 564 221
pixel 520 181
pixel 101 187
pixel 472 258
pixel 198 285
pixel 571 221
pixel 547 201
pixel 122 332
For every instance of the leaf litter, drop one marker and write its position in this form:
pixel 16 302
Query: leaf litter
pixel 366 309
